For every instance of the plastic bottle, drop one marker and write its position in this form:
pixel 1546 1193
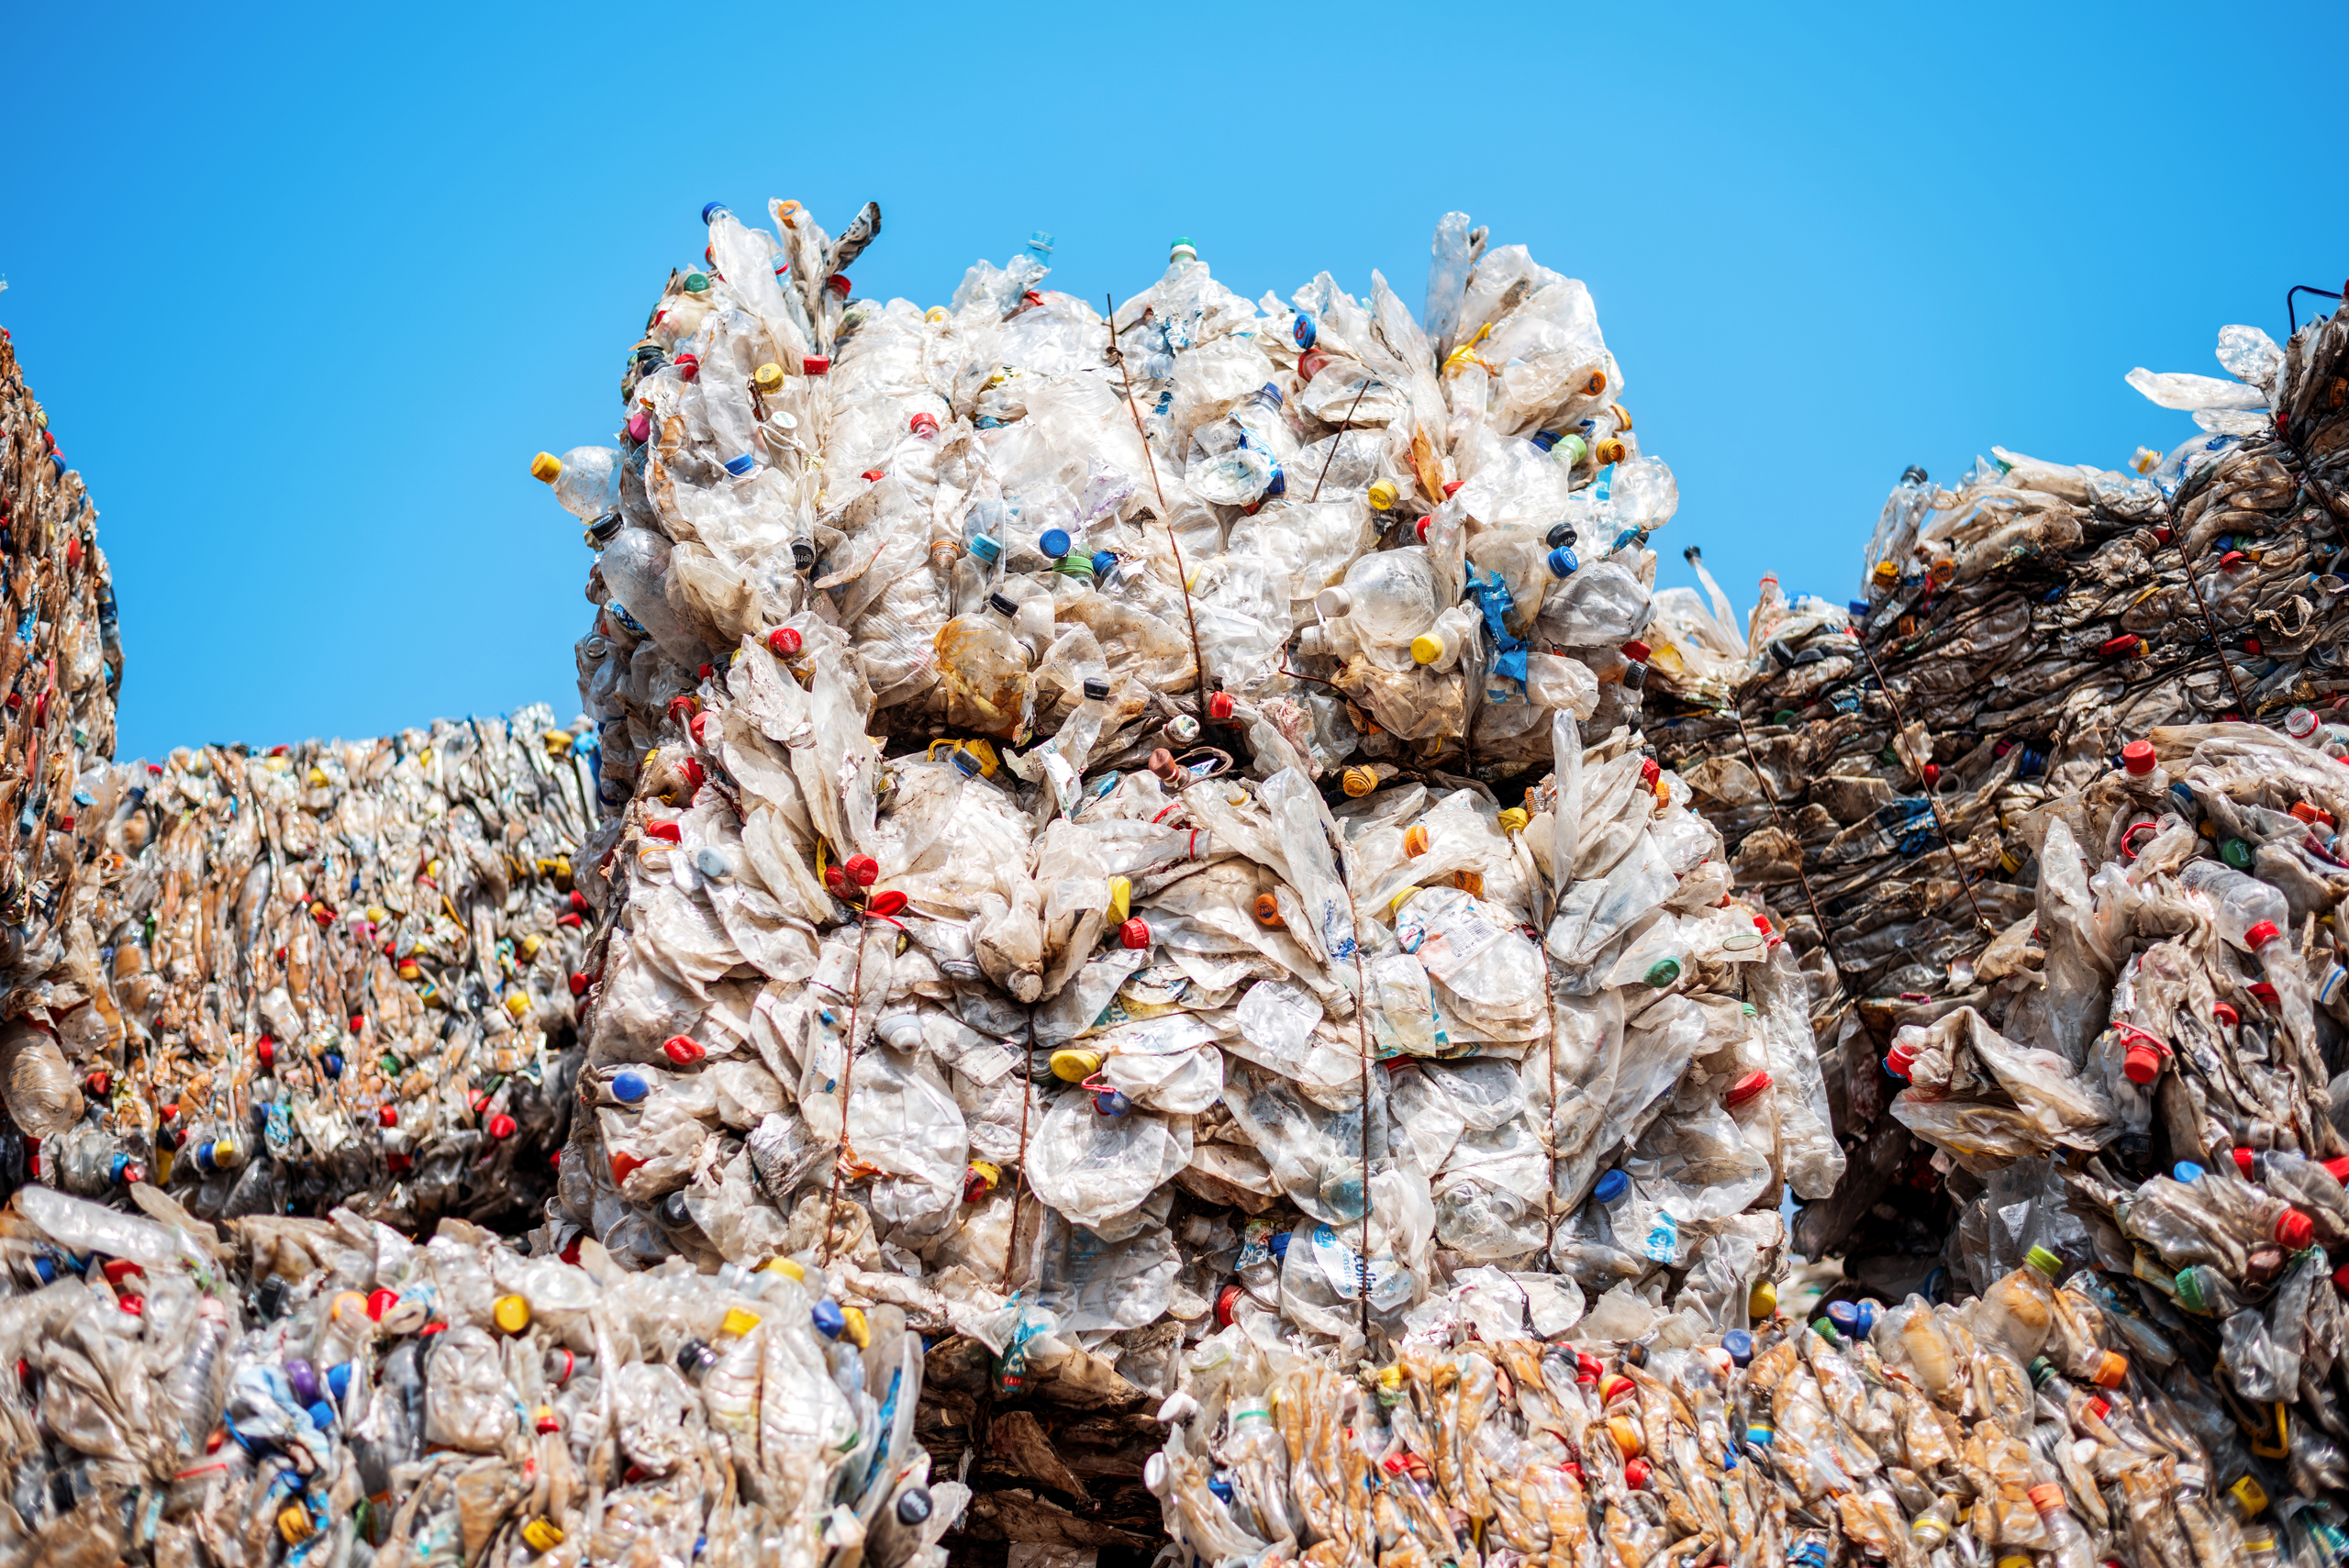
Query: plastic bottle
pixel 986 665
pixel 1388 598
pixel 586 479
pixel 2249 913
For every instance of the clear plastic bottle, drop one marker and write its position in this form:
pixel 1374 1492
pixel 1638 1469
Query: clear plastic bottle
pixel 985 665
pixel 1389 596
pixel 587 480
pixel 2250 913
pixel 2017 1312
pixel 2069 1545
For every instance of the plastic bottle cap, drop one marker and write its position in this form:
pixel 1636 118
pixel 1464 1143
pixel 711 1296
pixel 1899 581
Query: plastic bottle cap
pixel 815 364
pixel 1426 648
pixel 1182 249
pixel 682 1050
pixel 1564 563
pixel 830 1320
pixel 2245 1159
pixel 2236 853
pixel 2138 757
pixel 1134 934
pixel 1636 1474
pixel 512 1314
pixel 985 549
pixel 2111 1372
pixel 1071 1065
pixel 1358 782
pixel 2249 1495
pixel 2045 1261
pixel 2046 1497
pixel 2141 1064
pixel 2300 724
pixel 1610 1186
pixel 1900 1059
pixel 1761 1301
pixel 1002 606
pixel 502 1126
pixel 2224 1013
pixel 1104 562
pixel 913 1506
pixel 862 870
pixel 1383 494
pixel 1745 1088
pixel 2260 935
pixel 2295 1231
pixel 1054 543
pixel 1219 705
pixel 1662 972
pixel 2186 1170
pixel 540 1535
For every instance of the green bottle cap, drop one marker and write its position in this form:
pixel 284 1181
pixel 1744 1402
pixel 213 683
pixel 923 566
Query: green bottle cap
pixel 2236 853
pixel 696 283
pixel 2189 1292
pixel 1663 973
pixel 2045 1261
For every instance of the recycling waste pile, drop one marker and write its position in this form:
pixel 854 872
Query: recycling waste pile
pixel 1111 966
pixel 326 974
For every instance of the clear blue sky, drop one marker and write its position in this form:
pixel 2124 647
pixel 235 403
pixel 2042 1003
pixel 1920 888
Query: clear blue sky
pixel 304 292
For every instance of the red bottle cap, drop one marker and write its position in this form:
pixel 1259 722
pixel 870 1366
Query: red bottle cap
pixel 2259 936
pixel 168 1112
pixel 1932 773
pixel 380 1302
pixel 623 1165
pixel 924 425
pixel 501 1126
pixel 862 870
pixel 578 902
pixel 2224 1013
pixel 2137 757
pixel 2339 1169
pixel 1225 1299
pixel 682 1050
pixel 1745 1088
pixel 666 832
pixel 815 364
pixel 266 1052
pixel 874 475
pixel 1650 771
pixel 2244 1159
pixel 1636 651
pixel 2294 1230
pixel 838 283
pixel 889 902
pixel 1452 488
pixel 2264 991
pixel 386 1117
pixel 1134 933
pixel 579 983
pixel 117 1270
pixel 2099 1409
pixel 1899 1060
pixel 1219 705
pixel 783 641
pixel 1422 529
pixel 1636 1474
pixel 2142 1065
pixel 1588 1368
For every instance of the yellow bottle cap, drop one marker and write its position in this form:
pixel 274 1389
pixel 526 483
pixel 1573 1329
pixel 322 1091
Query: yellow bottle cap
pixel 768 378
pixel 1121 897
pixel 1427 648
pixel 1396 904
pixel 937 313
pixel 546 466
pixel 542 1536
pixel 1622 416
pixel 1359 782
pixel 737 1322
pixel 533 942
pixel 784 1267
pixel 378 914
pixel 518 1004
pixel 1761 1301
pixel 1390 1377
pixel 1073 1066
pixel 2145 461
pixel 1610 450
pixel 1886 572
pixel 857 1331
pixel 2249 1495
pixel 1382 493
pixel 293 1524
pixel 349 1307
pixel 1514 818
pixel 512 1314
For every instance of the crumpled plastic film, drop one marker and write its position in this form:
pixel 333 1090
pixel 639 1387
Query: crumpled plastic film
pixel 957 936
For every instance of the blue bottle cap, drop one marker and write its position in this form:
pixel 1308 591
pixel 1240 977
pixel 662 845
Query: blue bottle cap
pixel 1221 1487
pixel 1611 1185
pixel 1269 390
pixel 339 1380
pixel 1304 331
pixel 45 1270
pixel 739 466
pixel 1053 543
pixel 1544 439
pixel 711 209
pixel 1103 560
pixel 964 764
pixel 1859 608
pixel 1114 1103
pixel 831 1321
pixel 1279 1244
pixel 630 1087
pixel 1844 1315
pixel 332 1062
pixel 2187 1171
pixel 1866 1319
pixel 1740 1346
pixel 1563 562
pixel 985 549
pixel 322 1415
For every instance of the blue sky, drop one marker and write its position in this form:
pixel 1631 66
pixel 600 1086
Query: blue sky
pixel 304 290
